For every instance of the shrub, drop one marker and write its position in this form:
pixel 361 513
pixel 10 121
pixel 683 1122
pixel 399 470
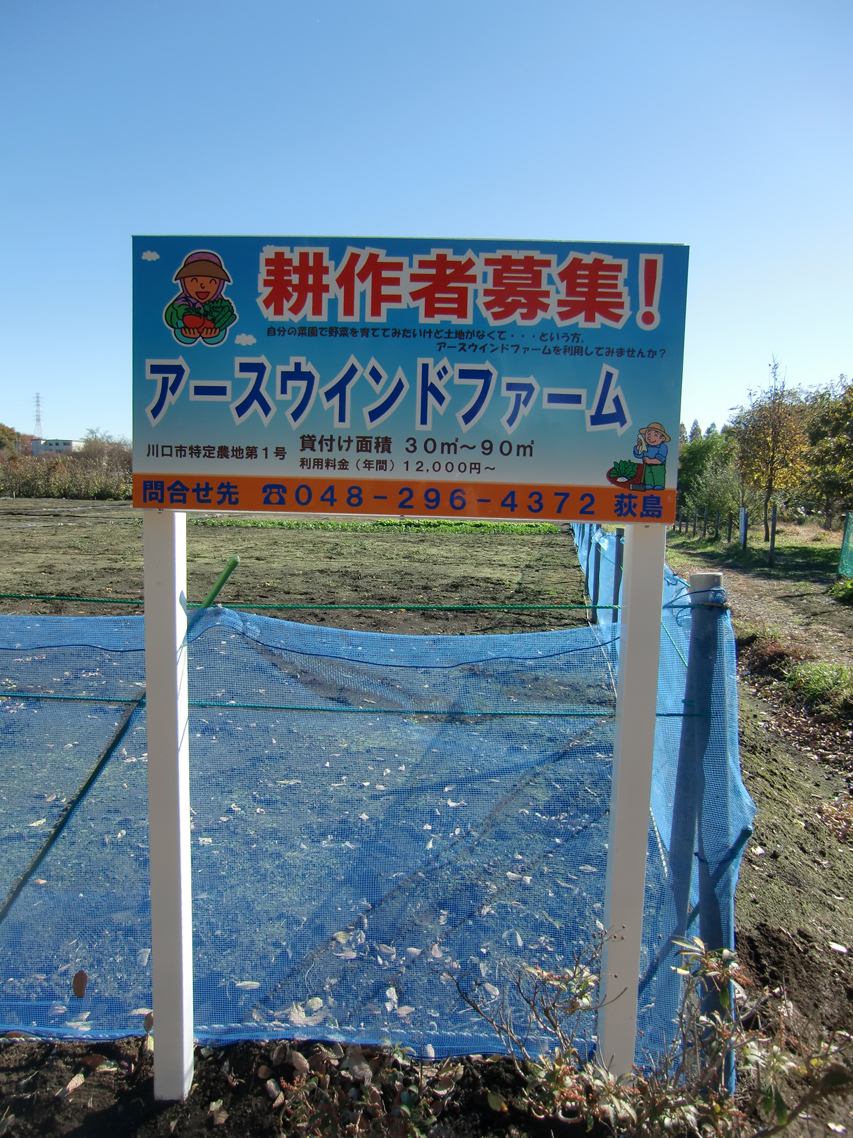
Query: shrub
pixel 63 476
pixel 823 686
pixel 843 592
pixel 687 1090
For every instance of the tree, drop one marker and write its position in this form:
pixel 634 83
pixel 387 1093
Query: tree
pixel 13 442
pixel 682 435
pixel 771 439
pixel 710 430
pixel 693 458
pixel 695 432
pixel 8 439
pixel 830 458
pixel 105 451
pixel 720 485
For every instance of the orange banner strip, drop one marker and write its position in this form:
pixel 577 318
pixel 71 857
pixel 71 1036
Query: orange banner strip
pixel 351 497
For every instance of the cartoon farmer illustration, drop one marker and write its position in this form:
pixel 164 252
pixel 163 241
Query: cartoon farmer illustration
pixel 651 451
pixel 200 311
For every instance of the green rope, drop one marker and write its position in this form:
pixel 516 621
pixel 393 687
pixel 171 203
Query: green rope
pixel 679 653
pixel 332 710
pixel 385 608
pixel 356 710
pixel 411 711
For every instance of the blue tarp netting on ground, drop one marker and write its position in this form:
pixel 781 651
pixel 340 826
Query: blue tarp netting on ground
pixel 376 817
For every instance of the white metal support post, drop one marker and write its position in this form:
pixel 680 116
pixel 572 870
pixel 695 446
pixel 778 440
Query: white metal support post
pixel 165 549
pixel 633 749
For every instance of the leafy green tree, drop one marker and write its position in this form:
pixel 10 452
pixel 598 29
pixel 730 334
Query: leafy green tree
pixel 830 458
pixel 695 432
pixel 682 435
pixel 693 458
pixel 771 440
pixel 720 486
pixel 8 439
pixel 13 442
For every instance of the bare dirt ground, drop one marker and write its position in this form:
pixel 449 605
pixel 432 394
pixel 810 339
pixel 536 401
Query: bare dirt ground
pixel 59 548
pixel 794 908
pixel 789 599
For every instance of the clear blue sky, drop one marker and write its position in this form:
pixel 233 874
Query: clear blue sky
pixel 724 126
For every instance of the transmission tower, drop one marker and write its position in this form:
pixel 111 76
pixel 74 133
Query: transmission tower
pixel 38 427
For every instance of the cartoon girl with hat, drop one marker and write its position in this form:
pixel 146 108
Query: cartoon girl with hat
pixel 651 451
pixel 200 311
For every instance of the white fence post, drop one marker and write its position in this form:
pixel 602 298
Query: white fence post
pixel 165 548
pixel 633 750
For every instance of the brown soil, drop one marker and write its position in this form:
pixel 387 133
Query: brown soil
pixel 790 600
pixel 795 896
pixel 231 1093
pixel 59 548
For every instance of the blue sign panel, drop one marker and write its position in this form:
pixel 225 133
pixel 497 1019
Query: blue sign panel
pixel 532 379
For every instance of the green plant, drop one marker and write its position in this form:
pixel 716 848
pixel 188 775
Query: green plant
pixel 822 685
pixel 843 592
pixel 686 1090
pixel 380 525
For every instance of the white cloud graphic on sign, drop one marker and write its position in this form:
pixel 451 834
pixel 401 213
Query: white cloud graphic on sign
pixel 148 255
pixel 245 339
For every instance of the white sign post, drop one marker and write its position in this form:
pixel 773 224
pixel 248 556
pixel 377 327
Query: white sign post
pixel 165 549
pixel 633 750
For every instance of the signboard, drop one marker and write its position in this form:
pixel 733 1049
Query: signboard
pixel 518 380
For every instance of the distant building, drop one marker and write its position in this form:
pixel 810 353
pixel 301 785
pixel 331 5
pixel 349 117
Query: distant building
pixel 56 446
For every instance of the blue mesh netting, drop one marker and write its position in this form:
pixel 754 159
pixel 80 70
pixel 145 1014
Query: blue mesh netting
pixel 845 561
pixel 701 814
pixel 375 818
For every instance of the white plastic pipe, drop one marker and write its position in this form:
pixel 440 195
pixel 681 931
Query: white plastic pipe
pixel 165 549
pixel 633 750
